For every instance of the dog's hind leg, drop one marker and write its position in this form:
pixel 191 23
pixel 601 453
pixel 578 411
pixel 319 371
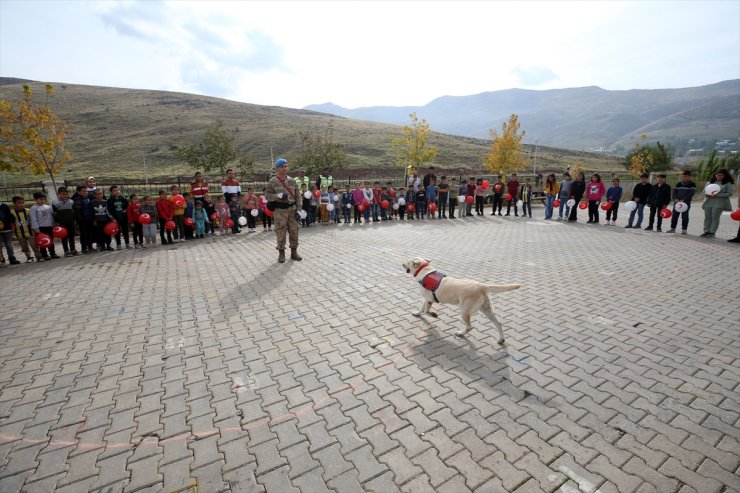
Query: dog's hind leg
pixel 424 309
pixel 468 325
pixel 488 312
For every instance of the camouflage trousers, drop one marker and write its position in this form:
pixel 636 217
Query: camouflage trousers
pixel 285 222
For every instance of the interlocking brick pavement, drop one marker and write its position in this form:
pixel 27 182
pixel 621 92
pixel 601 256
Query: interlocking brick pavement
pixel 207 366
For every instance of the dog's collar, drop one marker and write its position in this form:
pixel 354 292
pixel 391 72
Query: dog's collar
pixel 425 264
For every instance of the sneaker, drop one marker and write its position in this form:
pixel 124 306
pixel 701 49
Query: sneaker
pixel 128 247
pixel 649 228
pixel 710 235
pixel 658 230
pixel 75 253
pixel 54 256
pixel 29 260
pixel 629 226
pixel 14 262
pixel 703 235
pixel 589 222
pixel 684 232
pixel 672 230
pixel 110 248
pixel 67 254
pixel 42 259
pixel 734 240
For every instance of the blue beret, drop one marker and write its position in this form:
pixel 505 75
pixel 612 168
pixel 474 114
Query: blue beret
pixel 280 162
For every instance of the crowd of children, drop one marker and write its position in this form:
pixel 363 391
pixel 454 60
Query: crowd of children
pixel 87 213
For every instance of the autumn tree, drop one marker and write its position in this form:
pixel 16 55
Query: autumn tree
pixel 319 151
pixel 410 148
pixel 646 158
pixel 506 150
pixel 216 150
pixel 32 137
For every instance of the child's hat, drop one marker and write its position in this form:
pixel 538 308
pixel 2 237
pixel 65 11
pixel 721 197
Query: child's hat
pixel 280 162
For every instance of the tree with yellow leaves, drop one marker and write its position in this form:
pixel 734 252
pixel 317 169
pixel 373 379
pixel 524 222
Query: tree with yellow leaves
pixel 506 150
pixel 411 147
pixel 32 137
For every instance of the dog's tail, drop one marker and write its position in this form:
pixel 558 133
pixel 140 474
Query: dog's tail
pixel 501 288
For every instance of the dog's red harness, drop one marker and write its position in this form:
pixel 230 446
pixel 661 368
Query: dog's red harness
pixel 431 281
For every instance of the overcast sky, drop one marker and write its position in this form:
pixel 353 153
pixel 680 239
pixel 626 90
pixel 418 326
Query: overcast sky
pixel 355 53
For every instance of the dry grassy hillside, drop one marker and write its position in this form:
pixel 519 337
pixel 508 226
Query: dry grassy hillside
pixel 115 129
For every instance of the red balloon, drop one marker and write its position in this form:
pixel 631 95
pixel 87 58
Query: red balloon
pixel 393 193
pixel 317 193
pixel 361 207
pixel 411 208
pixel 556 203
pixel 582 204
pixel 498 188
pixel 43 240
pixel 145 218
pixel 366 203
pixel 469 199
pixel 268 212
pixel 385 204
pixel 229 223
pixel 178 200
pixel 170 225
pixel 111 229
pixel 735 215
pixel 605 206
pixel 60 232
pixel 665 212
pixel 507 197
pixel 189 222
pixel 485 184
pixel 432 207
pixel 214 216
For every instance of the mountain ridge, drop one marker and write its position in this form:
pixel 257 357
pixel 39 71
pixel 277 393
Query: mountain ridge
pixel 575 118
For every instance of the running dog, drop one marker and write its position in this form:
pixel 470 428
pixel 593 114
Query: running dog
pixel 469 294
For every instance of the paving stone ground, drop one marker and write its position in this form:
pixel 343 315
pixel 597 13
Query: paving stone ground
pixel 207 366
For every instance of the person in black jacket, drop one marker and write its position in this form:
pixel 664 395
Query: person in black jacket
pixel 576 193
pixel 660 197
pixel 640 194
pixel 7 221
pixel 84 219
pixel 683 192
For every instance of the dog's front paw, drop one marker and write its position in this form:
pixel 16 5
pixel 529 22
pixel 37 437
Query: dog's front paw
pixel 460 333
pixel 433 314
pixel 501 342
pixel 416 314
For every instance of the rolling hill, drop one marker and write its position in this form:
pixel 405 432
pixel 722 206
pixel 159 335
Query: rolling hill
pixel 578 118
pixel 117 130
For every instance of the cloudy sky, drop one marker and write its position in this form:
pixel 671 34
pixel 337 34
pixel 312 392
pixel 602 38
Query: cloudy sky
pixel 356 53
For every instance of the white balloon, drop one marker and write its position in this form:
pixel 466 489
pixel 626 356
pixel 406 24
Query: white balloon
pixel 519 203
pixel 461 198
pixel 571 202
pixel 336 198
pixel 255 212
pixel 329 207
pixel 401 201
pixel 349 206
pixel 630 205
pixel 302 214
pixel 395 207
pixel 681 207
pixel 712 189
pixel 242 221
pixel 280 195
pixel 307 195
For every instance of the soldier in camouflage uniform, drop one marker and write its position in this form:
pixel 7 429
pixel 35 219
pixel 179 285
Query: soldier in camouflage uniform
pixel 283 197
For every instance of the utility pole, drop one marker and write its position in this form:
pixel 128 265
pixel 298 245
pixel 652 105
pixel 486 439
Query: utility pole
pixel 143 158
pixel 272 158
